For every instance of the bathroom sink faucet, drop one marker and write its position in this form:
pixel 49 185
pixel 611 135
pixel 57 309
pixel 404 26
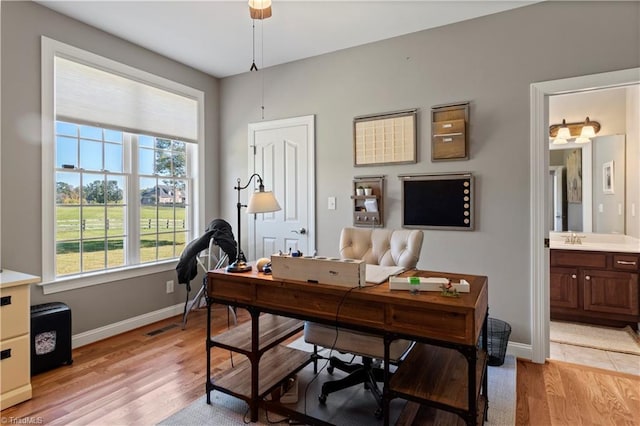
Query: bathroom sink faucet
pixel 573 238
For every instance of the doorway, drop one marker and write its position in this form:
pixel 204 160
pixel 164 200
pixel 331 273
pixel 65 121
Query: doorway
pixel 283 153
pixel 539 190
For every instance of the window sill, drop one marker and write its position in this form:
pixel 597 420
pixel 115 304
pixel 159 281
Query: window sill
pixel 91 279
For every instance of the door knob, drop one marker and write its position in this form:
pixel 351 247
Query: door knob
pixel 301 231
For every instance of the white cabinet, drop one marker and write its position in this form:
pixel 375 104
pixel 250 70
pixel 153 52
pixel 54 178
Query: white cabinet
pixel 15 349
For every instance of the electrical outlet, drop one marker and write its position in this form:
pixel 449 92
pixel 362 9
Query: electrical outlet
pixel 170 286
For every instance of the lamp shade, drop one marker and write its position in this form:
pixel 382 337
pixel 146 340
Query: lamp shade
pixel 263 202
pixel 559 141
pixel 564 132
pixel 588 131
pixel 582 139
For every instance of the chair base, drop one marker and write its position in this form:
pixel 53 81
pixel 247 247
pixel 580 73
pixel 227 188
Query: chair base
pixel 366 373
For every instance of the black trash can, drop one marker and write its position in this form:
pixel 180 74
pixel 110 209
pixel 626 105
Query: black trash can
pixel 50 336
pixel 498 333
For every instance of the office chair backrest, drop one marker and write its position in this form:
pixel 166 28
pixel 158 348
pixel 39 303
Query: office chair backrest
pixel 386 247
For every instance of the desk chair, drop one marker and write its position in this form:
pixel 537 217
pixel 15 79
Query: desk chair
pixel 378 247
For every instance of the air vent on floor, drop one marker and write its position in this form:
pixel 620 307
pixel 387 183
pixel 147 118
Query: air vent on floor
pixel 161 330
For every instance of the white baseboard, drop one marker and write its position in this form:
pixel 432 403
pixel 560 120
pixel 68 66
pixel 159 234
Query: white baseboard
pixel 520 350
pixel 111 330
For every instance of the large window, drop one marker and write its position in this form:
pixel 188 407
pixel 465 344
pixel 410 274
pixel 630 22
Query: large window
pixel 120 163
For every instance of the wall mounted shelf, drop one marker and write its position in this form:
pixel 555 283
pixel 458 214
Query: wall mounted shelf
pixel 449 132
pixel 368 209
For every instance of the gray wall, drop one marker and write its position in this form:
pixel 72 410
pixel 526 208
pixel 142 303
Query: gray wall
pixel 22 25
pixel 489 61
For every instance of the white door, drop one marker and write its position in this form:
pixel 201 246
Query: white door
pixel 556 185
pixel 283 153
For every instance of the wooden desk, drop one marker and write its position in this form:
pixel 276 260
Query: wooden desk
pixel 427 317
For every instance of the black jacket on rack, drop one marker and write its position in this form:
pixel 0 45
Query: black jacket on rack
pixel 222 235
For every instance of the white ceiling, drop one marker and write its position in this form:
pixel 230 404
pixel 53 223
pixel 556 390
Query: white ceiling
pixel 216 36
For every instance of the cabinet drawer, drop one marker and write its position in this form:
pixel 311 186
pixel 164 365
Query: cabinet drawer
pixel 577 259
pixel 625 262
pixel 14 366
pixel 14 311
pixel 448 146
pixel 446 127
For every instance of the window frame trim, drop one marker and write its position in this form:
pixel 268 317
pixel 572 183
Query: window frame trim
pixel 51 48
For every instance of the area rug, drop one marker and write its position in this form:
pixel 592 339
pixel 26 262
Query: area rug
pixel 349 407
pixel 605 338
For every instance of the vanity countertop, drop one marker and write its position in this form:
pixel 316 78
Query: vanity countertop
pixel 596 242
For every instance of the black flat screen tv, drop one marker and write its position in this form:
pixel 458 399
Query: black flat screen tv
pixel 443 201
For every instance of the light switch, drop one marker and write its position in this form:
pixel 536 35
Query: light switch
pixel 600 208
pixel 633 209
pixel 619 209
pixel 331 203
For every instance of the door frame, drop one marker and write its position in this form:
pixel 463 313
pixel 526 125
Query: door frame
pixel 538 189
pixel 309 122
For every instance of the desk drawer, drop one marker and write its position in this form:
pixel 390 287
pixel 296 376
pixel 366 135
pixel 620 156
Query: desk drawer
pixel 14 366
pixel 235 291
pixel 14 311
pixel 321 304
pixel 451 326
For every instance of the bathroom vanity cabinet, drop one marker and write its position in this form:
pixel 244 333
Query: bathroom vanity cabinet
pixel 595 287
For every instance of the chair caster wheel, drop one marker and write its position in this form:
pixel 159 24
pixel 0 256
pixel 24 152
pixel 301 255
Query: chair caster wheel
pixel 330 369
pixel 378 413
pixel 322 398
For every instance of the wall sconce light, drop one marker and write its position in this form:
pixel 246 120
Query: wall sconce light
pixel 261 201
pixel 582 131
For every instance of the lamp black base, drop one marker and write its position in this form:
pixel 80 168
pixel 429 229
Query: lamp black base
pixel 239 266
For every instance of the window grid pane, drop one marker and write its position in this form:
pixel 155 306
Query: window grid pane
pixel 91 228
pixel 163 198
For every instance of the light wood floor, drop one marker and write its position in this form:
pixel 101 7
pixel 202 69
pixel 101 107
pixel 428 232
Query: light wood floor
pixel 135 378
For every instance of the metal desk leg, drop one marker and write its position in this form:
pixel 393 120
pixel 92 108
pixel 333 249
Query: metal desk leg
pixel 208 346
pixel 254 357
pixel 386 397
pixel 485 347
pixel 472 358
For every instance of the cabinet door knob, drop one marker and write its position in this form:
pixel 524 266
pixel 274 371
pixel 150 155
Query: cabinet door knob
pixel 587 277
pixel 574 276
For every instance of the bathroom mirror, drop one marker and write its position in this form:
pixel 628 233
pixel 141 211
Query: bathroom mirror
pixel 588 185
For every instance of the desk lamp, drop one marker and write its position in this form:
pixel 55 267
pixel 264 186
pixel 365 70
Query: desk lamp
pixel 261 201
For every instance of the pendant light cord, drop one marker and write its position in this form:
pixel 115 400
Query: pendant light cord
pixel 253 46
pixel 262 65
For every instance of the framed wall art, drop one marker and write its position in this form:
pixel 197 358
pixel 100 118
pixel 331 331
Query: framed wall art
pixel 387 138
pixel 574 176
pixel 607 178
